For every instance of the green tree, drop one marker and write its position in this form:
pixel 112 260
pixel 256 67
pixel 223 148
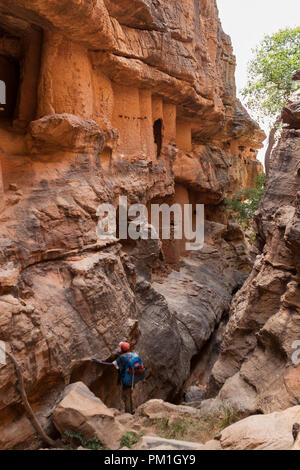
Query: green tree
pixel 245 203
pixel 270 82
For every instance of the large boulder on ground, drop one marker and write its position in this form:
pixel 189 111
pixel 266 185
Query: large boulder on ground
pixel 82 412
pixel 275 431
pixel 156 409
pixel 212 405
pixel 262 432
pixel 194 394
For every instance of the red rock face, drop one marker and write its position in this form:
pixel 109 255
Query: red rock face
pixel 103 99
pixel 258 370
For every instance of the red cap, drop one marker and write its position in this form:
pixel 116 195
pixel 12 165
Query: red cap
pixel 124 346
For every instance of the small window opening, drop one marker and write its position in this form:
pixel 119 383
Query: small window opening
pixel 157 130
pixel 9 86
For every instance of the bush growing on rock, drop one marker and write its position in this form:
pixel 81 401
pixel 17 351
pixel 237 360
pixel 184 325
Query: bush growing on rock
pixel 270 73
pixel 246 202
pixel 74 439
pixel 130 438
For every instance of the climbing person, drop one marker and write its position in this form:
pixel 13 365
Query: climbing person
pixel 130 371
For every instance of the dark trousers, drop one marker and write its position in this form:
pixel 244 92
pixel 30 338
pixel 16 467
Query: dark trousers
pixel 127 399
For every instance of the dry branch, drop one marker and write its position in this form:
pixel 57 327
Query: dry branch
pixel 26 404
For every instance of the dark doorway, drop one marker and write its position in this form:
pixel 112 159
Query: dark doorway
pixel 10 77
pixel 157 130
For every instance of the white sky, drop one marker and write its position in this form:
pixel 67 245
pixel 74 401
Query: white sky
pixel 247 22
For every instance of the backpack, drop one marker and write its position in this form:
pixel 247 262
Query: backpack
pixel 134 369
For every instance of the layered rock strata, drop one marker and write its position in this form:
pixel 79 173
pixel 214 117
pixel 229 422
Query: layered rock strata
pixel 102 100
pixel 259 367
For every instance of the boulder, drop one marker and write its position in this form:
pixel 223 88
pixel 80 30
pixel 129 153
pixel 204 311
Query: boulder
pixel 212 405
pixel 156 409
pixel 82 412
pixel 214 444
pixel 194 394
pixel 262 432
pixel 64 131
pixel 243 401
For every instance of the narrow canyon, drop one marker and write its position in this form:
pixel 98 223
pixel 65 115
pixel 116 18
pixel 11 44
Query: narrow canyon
pixel 137 98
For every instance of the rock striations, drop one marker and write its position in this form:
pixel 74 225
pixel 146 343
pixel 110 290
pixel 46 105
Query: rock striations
pixel 130 98
pixel 259 367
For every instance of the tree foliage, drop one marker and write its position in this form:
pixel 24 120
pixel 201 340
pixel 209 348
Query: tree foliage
pixel 245 203
pixel 270 73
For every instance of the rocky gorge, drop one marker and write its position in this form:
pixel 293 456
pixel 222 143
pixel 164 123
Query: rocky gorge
pixel 137 99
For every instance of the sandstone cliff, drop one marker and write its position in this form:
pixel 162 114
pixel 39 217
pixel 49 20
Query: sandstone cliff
pixel 103 99
pixel 258 369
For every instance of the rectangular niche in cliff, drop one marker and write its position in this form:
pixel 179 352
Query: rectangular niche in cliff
pixel 20 55
pixel 9 87
pixel 158 137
